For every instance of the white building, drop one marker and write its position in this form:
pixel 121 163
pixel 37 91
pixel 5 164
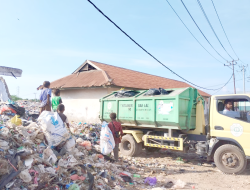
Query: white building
pixel 82 90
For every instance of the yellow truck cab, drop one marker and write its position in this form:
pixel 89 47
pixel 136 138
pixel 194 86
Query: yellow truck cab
pixel 229 141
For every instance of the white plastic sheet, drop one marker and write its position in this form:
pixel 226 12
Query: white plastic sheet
pixel 3 92
pixel 107 142
pixel 53 128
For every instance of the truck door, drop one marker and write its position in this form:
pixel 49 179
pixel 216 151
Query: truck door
pixel 231 122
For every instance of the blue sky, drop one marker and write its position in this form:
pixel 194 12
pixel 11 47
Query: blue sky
pixel 52 38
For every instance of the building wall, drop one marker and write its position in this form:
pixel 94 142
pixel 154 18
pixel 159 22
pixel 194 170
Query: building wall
pixel 82 105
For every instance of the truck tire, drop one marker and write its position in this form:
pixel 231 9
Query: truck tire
pixel 129 147
pixel 230 159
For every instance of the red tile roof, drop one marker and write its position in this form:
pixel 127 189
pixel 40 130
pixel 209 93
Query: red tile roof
pixel 117 76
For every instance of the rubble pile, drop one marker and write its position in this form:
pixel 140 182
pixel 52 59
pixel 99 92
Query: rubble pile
pixel 31 107
pixel 31 159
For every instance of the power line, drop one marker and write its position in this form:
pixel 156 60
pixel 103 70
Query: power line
pixel 204 13
pixel 148 52
pixel 192 33
pixel 223 86
pixel 227 91
pixel 248 70
pixel 202 32
pixel 224 30
pixel 225 33
pixel 223 83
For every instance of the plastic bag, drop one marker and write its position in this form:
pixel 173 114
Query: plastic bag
pixel 49 156
pixel 77 177
pixel 70 145
pixel 86 144
pixel 5 108
pixel 107 142
pixel 156 91
pixel 74 187
pixel 70 162
pixel 19 110
pixel 151 181
pixel 15 120
pixel 127 179
pixel 25 176
pixel 179 184
pixel 4 131
pixel 4 145
pixel 123 93
pixel 50 170
pixel 4 167
pixel 53 128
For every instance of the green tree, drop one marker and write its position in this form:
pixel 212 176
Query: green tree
pixel 15 98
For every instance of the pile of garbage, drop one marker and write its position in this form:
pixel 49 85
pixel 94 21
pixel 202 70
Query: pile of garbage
pixel 31 107
pixel 26 109
pixel 44 154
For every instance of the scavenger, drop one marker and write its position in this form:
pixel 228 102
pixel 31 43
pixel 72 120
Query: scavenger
pixel 117 132
pixel 56 100
pixel 45 97
pixel 60 110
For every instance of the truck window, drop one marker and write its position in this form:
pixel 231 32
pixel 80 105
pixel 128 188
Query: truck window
pixel 238 109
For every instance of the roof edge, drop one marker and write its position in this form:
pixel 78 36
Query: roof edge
pixel 82 65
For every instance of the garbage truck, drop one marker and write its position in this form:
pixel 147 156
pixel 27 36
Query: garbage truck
pixel 182 120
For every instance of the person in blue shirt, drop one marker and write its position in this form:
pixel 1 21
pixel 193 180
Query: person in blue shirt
pixel 45 97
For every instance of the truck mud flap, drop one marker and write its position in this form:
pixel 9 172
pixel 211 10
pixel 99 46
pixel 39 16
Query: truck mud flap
pixel 164 142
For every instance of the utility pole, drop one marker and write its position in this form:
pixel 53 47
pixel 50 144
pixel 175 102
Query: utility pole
pixel 232 64
pixel 244 91
pixel 243 69
pixel 18 91
pixel 35 96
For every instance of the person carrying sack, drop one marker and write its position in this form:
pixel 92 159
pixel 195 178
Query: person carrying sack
pixel 117 132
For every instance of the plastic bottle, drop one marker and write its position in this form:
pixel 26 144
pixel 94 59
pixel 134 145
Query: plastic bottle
pixel 136 175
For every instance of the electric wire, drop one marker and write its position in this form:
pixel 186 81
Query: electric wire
pixel 248 69
pixel 201 31
pixel 192 33
pixel 223 85
pixel 205 15
pixel 224 30
pixel 150 53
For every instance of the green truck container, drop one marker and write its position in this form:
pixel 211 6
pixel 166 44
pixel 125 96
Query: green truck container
pixel 176 110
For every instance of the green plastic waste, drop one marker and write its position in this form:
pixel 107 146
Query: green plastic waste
pixel 136 175
pixel 74 187
pixel 179 160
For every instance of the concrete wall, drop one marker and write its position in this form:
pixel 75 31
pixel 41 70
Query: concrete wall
pixel 82 105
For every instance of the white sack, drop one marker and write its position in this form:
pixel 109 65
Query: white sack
pixel 53 128
pixel 107 142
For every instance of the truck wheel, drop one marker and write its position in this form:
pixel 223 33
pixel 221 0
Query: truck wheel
pixel 230 159
pixel 129 147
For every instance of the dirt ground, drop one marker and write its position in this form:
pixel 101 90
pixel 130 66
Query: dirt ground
pixel 195 171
